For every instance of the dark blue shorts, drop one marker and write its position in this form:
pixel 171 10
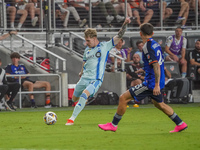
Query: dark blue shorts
pixel 141 91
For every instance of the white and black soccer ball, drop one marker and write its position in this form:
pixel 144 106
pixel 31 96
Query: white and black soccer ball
pixel 50 118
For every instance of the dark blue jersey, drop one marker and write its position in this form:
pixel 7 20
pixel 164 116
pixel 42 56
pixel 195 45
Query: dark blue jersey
pixel 152 53
pixel 20 69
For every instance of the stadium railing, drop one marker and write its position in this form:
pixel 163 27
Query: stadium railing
pixel 35 48
pixel 50 22
pixel 38 92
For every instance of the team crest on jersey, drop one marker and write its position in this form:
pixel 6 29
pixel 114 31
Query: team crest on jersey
pixel 148 56
pixel 98 54
pixel 22 68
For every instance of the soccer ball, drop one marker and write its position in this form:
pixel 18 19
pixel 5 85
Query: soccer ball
pixel 50 118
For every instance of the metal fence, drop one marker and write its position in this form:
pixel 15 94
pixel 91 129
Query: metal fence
pixel 38 92
pixel 58 15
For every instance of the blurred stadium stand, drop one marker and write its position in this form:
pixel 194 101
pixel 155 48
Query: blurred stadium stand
pixel 97 19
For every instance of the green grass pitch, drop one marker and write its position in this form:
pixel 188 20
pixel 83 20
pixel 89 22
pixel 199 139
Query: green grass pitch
pixel 143 128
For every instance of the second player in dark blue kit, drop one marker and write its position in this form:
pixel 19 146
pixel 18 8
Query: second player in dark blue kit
pixel 152 85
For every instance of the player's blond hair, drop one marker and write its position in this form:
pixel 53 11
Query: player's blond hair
pixel 90 32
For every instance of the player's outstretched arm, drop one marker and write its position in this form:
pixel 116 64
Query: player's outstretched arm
pixel 121 31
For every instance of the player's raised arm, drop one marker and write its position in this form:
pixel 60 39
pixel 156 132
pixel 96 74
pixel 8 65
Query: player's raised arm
pixel 121 31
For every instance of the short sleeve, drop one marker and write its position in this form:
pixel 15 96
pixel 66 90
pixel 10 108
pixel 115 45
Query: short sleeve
pixel 184 42
pixel 192 55
pixel 110 44
pixel 151 56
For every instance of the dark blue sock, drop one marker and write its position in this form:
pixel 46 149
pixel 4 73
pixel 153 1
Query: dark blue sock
pixel 116 119
pixel 176 119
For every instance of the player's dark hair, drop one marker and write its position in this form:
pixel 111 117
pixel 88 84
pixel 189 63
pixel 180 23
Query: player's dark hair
pixel 138 42
pixel 146 29
pixel 15 55
pixel 198 40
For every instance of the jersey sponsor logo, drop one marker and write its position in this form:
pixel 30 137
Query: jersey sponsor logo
pixel 91 56
pixel 20 72
pixel 98 54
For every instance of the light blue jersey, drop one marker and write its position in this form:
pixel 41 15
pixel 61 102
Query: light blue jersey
pixel 95 60
pixel 93 71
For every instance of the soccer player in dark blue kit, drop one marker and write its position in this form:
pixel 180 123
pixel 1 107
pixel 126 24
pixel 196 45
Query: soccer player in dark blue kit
pixel 154 82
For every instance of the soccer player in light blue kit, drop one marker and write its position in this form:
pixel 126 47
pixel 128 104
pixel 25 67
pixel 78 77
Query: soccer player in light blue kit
pixel 154 82
pixel 92 72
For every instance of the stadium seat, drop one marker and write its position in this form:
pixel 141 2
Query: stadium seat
pixel 191 40
pixel 133 41
pixel 173 67
pixel 127 43
pixel 65 41
pixel 161 40
pixel 188 52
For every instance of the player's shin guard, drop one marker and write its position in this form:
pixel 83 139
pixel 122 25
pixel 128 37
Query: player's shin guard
pixel 79 106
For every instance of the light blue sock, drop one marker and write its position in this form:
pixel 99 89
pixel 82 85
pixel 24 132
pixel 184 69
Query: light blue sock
pixel 79 106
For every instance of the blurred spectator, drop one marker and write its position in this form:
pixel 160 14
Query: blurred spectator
pixel 175 49
pixel 134 78
pixel 81 8
pixel 117 50
pixel 119 6
pixel 70 9
pixel 180 9
pixel 11 89
pixel 16 68
pixel 102 11
pixel 29 7
pixel 37 9
pixel 7 35
pixel 139 51
pixel 139 11
pixel 12 11
pixel 192 4
pixel 110 8
pixel 124 52
pixel 195 56
pixel 155 6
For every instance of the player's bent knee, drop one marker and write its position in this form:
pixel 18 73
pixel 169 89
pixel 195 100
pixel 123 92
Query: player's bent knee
pixel 122 99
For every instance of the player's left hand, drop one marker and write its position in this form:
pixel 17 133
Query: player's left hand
pixel 156 90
